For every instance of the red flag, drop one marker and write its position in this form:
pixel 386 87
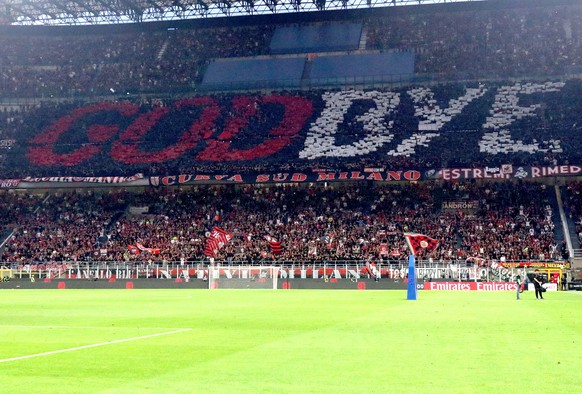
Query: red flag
pixel 216 240
pixel 274 244
pixel 418 242
pixel 383 251
pixel 477 260
pixel 142 248
pixel 312 250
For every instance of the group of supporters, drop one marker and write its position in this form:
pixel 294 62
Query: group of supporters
pixel 471 43
pixel 34 65
pixel 573 207
pixel 222 133
pixel 502 42
pixel 511 221
pixel 359 221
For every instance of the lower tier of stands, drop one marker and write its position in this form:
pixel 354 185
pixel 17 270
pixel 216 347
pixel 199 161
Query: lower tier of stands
pixel 484 222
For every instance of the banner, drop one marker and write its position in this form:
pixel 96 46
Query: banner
pixel 9 183
pixel 471 286
pixel 507 171
pixel 308 176
pixel 7 143
pixel 307 128
pixel 536 264
pixel 85 179
pixel 303 177
pixel 406 175
pixel 455 206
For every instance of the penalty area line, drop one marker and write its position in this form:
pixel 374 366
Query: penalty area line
pixel 72 349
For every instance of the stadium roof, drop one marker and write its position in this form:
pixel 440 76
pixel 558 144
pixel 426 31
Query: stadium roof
pixel 86 12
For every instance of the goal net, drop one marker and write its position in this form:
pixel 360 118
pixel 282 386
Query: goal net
pixel 6 274
pixel 242 277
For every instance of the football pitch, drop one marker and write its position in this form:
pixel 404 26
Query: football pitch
pixel 265 341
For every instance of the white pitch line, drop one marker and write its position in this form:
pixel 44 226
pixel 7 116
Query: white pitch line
pixel 72 349
pixel 87 327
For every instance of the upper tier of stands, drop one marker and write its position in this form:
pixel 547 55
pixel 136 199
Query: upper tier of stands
pixel 473 41
pixel 327 37
pixel 232 73
pixel 357 69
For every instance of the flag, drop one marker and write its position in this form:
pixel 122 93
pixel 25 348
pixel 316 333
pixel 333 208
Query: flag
pixel 216 240
pixel 274 244
pixel 312 250
pixel 418 242
pixel 476 260
pixel 328 240
pixel 142 248
pixel 383 251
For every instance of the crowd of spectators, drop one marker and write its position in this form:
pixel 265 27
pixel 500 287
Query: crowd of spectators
pixel 478 43
pixel 351 221
pixel 511 221
pixel 505 42
pixel 572 196
pixel 486 43
pixel 157 137
pixel 118 63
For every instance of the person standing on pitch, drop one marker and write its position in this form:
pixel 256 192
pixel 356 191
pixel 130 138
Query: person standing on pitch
pixel 538 281
pixel 518 282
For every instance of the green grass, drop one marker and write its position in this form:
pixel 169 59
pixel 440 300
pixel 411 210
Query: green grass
pixel 249 341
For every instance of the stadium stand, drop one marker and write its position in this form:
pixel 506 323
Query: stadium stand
pixel 444 126
pixel 273 72
pixel 327 37
pixel 359 68
pixel 103 63
pixel 449 42
pixel 573 210
pixel 500 42
pixel 313 223
pixel 482 93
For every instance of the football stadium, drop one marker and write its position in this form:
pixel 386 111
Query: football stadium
pixel 286 196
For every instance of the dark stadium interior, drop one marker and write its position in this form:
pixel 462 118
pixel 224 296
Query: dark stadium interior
pixel 478 102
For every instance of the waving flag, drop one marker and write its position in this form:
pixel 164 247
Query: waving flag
pixel 418 242
pixel 274 244
pixel 216 240
pixel 476 260
pixel 383 250
pixel 142 248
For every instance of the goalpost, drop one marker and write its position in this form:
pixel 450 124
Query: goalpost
pixel 6 274
pixel 242 277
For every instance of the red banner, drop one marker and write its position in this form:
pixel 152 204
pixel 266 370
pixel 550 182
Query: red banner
pixel 471 286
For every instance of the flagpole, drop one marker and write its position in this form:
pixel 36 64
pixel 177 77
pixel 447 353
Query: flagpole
pixel 411 279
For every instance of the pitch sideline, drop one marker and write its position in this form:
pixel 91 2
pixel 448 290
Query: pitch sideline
pixel 72 349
